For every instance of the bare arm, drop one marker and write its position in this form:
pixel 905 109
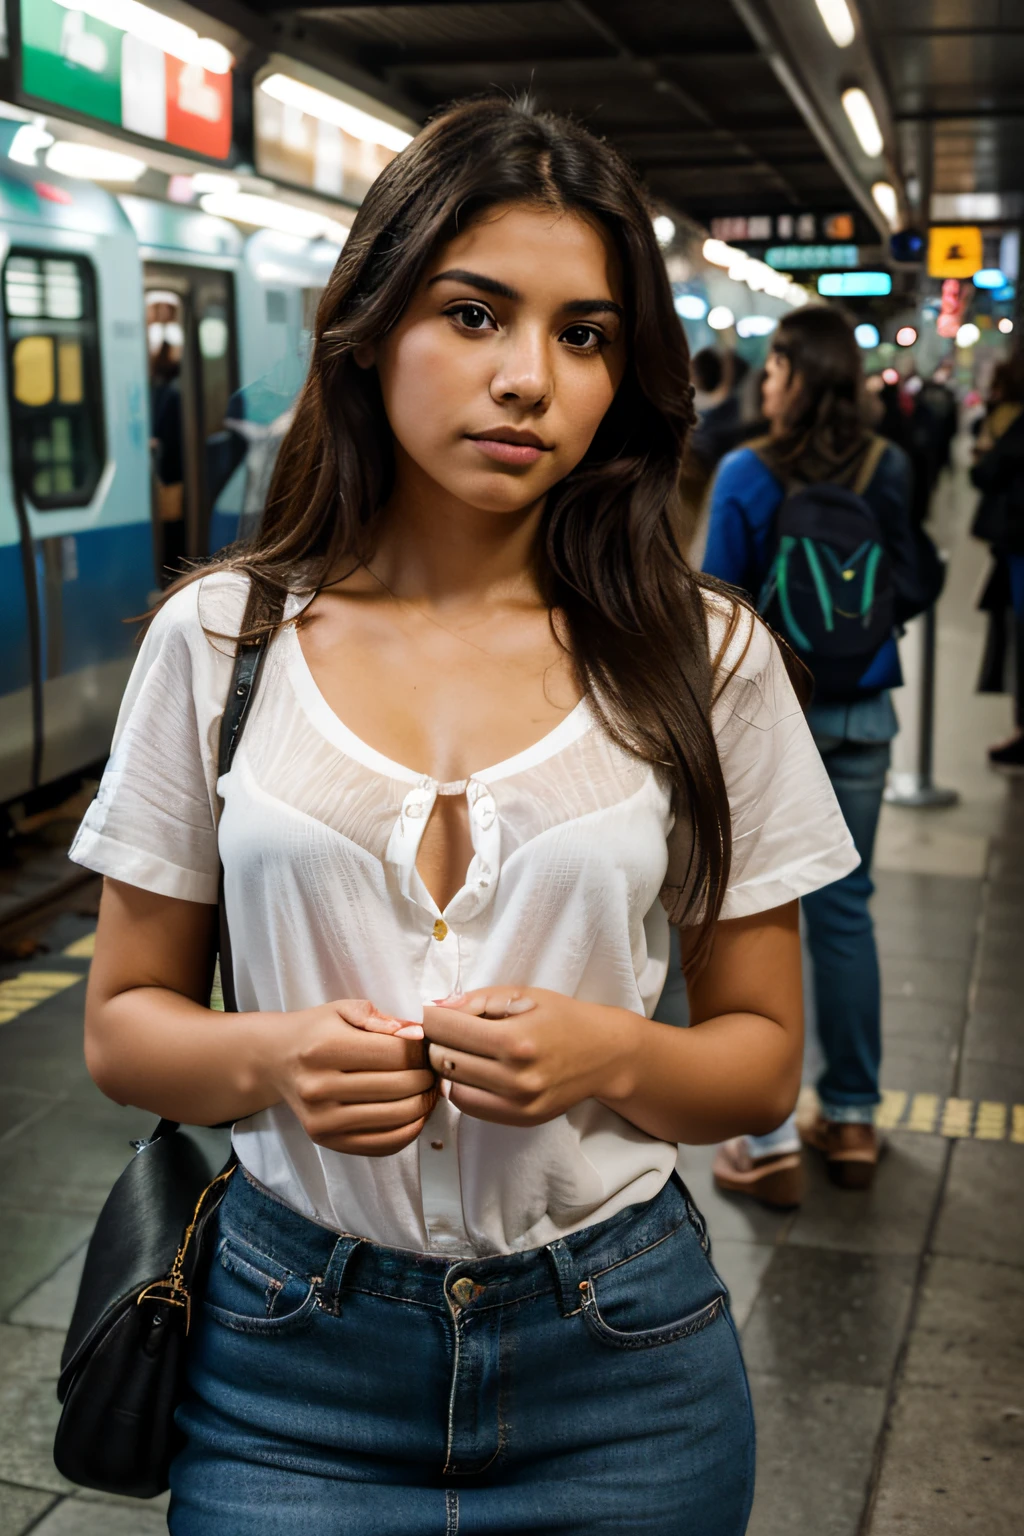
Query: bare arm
pixel 151 1040
pixel 736 1069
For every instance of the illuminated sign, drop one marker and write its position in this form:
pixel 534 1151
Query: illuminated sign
pixel 176 94
pixel 320 139
pixel 801 228
pixel 808 258
pixel 954 250
pixel 854 285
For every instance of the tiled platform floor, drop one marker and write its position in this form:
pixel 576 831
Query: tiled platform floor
pixel 883 1332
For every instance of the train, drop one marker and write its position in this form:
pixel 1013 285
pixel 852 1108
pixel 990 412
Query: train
pixel 96 289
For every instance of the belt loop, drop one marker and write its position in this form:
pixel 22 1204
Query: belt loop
pixel 564 1265
pixel 329 1289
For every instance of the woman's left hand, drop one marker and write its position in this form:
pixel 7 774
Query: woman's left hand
pixel 523 1055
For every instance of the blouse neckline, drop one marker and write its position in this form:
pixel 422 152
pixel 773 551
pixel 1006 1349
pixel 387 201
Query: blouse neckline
pixel 330 725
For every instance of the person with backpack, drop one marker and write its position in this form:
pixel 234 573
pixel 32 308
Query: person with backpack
pixel 815 522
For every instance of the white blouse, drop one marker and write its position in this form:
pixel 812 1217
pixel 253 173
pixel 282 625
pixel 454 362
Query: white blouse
pixel 319 833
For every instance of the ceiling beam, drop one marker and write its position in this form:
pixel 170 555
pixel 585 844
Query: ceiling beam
pixel 579 67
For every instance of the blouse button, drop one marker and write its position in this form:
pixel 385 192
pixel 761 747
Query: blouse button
pixel 438 1146
pixel 440 929
pixel 414 809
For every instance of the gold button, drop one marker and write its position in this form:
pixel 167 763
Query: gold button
pixel 462 1290
pixel 440 929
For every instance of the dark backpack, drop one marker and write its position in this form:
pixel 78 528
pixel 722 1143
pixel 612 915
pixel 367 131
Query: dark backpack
pixel 829 586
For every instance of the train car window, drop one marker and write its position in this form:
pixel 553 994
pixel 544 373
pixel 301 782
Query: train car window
pixel 54 371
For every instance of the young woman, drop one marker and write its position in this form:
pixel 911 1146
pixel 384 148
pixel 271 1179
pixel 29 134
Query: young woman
pixel 813 400
pixel 500 720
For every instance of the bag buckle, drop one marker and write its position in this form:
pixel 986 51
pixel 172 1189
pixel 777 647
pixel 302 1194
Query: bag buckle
pixel 173 1289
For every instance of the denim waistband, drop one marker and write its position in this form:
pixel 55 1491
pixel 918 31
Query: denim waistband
pixel 342 1260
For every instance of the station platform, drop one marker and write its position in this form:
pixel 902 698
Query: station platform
pixel 883 1331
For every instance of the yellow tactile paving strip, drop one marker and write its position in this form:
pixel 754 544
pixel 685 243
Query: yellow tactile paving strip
pixel 926 1113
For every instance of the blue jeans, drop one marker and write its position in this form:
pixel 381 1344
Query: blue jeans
pixel 593 1385
pixel 841 939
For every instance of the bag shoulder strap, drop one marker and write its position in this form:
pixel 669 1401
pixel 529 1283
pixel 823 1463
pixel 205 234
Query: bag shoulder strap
pixel 249 658
pixel 873 455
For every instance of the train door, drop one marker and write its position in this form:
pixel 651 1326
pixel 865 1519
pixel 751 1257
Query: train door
pixel 193 371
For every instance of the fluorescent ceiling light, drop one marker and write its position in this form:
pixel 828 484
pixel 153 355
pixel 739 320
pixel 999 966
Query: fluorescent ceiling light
pixel 160 31
pixel 92 164
pixel 866 336
pixel 271 213
pixel 331 109
pixel 884 194
pixel 758 275
pixel 690 306
pixel 755 325
pixel 721 318
pixel 664 229
pixel 29 138
pixel 836 16
pixel 967 335
pixel 862 117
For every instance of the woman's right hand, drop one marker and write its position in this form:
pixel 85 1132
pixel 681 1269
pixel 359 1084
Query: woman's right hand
pixel 353 1081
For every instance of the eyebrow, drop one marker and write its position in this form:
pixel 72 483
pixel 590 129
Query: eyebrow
pixel 503 291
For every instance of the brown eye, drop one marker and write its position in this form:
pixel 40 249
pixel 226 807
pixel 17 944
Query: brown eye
pixel 473 317
pixel 585 338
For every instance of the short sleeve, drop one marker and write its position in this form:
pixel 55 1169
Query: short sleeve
pixel 153 822
pixel 788 833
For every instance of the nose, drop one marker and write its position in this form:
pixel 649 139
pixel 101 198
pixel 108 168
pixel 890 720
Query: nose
pixel 524 372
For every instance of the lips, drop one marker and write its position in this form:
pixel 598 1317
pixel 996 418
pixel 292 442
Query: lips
pixel 513 435
pixel 507 445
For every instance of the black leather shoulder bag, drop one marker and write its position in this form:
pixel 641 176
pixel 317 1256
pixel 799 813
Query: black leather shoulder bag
pixel 122 1370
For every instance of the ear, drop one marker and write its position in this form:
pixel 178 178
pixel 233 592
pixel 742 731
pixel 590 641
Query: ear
pixel 365 355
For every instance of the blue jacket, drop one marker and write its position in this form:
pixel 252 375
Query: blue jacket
pixel 744 501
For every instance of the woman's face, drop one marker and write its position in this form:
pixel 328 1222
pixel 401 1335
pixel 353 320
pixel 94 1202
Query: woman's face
pixel 509 354
pixel 777 387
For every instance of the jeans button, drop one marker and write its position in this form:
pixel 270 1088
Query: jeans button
pixel 462 1291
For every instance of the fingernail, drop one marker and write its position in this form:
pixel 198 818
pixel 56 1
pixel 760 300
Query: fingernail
pixel 410 1032
pixel 521 1005
pixel 449 1001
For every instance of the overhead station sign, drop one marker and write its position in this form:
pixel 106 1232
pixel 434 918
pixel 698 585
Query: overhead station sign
pixel 328 141
pixel 786 228
pixel 128 65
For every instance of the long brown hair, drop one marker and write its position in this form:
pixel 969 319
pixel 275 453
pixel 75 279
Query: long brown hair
pixel 608 560
pixel 825 428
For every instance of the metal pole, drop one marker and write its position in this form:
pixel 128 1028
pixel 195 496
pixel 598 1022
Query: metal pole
pixel 914 787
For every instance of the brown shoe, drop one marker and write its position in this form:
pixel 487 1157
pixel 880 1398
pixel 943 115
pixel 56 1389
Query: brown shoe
pixel 851 1151
pixel 777 1180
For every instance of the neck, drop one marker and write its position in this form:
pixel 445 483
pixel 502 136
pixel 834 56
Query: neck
pixel 440 551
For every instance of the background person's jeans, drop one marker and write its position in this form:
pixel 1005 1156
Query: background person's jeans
pixel 841 940
pixel 594 1385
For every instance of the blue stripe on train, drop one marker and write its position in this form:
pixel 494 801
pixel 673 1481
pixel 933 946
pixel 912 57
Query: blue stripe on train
pixel 113 583
pixel 15 648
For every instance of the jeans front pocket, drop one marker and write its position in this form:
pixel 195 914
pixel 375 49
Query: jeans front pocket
pixel 250 1292
pixel 662 1294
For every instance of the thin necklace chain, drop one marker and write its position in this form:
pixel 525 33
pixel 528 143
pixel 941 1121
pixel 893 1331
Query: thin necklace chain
pixel 404 602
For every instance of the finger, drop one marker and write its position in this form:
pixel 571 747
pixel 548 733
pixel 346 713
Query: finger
pixel 362 1014
pixel 499 1002
pixel 478 1071
pixel 344 1119
pixel 466 1032
pixel 364 1051
pixel 481 1105
pixel 370 1144
pixel 366 1087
